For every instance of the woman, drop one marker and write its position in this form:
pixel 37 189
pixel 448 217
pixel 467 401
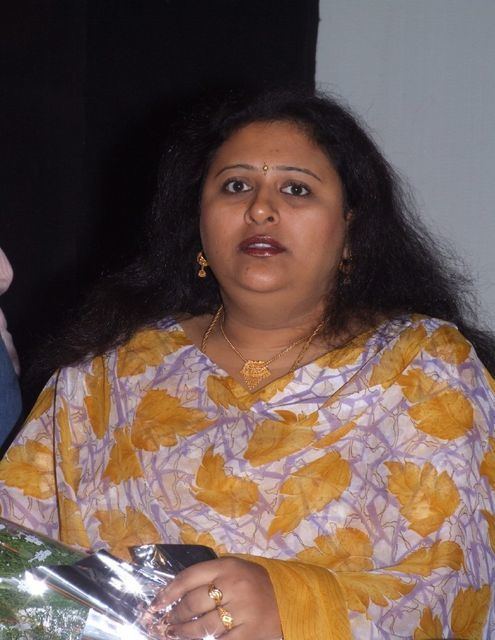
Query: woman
pixel 279 377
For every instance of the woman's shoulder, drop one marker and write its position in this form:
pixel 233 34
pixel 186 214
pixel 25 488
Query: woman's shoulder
pixel 424 328
pixel 436 346
pixel 149 345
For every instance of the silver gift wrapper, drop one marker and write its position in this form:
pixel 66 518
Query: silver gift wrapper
pixel 49 591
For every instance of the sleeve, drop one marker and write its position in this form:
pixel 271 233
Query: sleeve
pixel 27 473
pixel 10 394
pixel 424 569
pixel 40 471
pixel 6 276
pixel 310 600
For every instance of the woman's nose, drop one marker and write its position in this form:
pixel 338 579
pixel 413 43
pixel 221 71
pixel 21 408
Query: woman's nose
pixel 261 210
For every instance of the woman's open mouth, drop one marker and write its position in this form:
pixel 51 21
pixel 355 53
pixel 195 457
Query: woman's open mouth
pixel 261 246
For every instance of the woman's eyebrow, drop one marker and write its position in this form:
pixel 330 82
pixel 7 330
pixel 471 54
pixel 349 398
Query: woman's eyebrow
pixel 249 167
pixel 283 167
pixel 280 167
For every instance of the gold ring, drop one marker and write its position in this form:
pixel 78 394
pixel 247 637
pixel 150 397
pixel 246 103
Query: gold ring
pixel 226 618
pixel 215 594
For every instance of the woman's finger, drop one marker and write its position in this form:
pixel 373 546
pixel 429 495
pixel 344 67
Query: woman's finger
pixel 209 625
pixel 248 602
pixel 191 578
pixel 195 603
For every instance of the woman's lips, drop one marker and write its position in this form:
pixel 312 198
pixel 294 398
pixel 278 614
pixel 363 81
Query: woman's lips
pixel 261 246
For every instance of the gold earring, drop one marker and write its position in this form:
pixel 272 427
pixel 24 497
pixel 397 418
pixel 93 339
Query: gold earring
pixel 202 261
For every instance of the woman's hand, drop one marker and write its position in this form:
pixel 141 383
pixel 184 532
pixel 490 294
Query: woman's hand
pixel 247 595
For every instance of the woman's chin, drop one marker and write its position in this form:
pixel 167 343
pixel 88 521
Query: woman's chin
pixel 257 278
pixel 263 284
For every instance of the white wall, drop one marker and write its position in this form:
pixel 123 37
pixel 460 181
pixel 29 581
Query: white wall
pixel 422 75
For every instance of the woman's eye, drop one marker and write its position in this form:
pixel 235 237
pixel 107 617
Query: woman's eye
pixel 295 189
pixel 236 186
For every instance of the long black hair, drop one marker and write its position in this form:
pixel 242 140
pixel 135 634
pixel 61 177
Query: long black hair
pixel 396 266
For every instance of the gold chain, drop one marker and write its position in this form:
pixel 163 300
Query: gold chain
pixel 306 346
pixel 254 371
pixel 266 362
pixel 211 327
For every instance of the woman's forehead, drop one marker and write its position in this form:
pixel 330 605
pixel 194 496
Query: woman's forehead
pixel 262 141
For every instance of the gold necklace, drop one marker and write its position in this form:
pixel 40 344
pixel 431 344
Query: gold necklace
pixel 254 371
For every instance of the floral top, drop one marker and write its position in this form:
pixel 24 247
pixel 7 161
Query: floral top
pixel 376 461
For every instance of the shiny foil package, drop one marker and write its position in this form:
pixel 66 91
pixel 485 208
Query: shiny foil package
pixel 49 591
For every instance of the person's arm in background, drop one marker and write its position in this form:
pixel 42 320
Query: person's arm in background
pixel 10 395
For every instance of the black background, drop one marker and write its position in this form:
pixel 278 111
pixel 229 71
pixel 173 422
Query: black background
pixel 88 90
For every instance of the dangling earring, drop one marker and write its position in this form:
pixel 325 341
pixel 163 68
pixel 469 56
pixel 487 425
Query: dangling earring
pixel 345 268
pixel 202 261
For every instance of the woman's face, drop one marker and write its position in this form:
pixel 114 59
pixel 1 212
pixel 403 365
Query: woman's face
pixel 272 216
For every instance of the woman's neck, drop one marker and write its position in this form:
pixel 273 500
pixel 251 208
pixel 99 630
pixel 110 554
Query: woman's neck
pixel 282 336
pixel 267 325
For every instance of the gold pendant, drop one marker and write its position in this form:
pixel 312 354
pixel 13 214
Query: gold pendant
pixel 253 372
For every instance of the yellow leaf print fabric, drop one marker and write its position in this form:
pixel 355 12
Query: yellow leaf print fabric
pixel 345 355
pixel 69 454
pixel 274 439
pixel 334 436
pixel 448 415
pixel 43 404
pixel 72 531
pixel 147 349
pixel 124 463
pixel 310 489
pixel 430 627
pixel 29 468
pixel 229 495
pixel 363 482
pixel 449 345
pixel 97 400
pixel 123 530
pixel 419 387
pixel 395 360
pixel 189 535
pixel 160 418
pixel 363 589
pixel 426 497
pixel 347 550
pixel 490 519
pixel 425 560
pixel 487 468
pixel 470 611
pixel 227 392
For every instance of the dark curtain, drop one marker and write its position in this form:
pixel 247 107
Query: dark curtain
pixel 89 88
